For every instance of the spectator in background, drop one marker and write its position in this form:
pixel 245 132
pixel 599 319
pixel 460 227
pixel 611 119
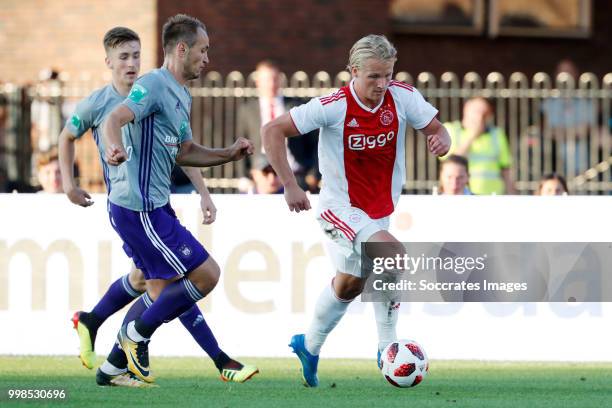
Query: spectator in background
pixel 567 120
pixel 180 182
pixel 46 111
pixel 46 116
pixel 552 184
pixel 48 171
pixel 312 181
pixel 264 178
pixel 454 176
pixel 270 104
pixel 485 147
pixel 9 162
pixel 565 113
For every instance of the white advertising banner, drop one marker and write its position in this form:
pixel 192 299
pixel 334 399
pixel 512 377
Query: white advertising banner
pixel 56 258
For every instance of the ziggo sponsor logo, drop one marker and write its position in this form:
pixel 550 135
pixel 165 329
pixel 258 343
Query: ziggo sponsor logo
pixel 362 142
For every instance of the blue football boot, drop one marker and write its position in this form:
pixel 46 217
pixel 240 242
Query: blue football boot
pixel 309 362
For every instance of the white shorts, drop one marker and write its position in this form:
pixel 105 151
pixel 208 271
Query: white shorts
pixel 347 228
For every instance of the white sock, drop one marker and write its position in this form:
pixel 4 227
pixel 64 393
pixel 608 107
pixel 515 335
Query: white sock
pixel 386 314
pixel 109 369
pixel 328 312
pixel 133 333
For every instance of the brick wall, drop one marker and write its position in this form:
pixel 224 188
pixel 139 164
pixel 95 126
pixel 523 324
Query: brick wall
pixel 316 35
pixel 461 54
pixel 305 35
pixel 301 35
pixel 67 35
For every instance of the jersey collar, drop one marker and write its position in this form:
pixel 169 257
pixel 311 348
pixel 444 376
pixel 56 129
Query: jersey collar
pixel 115 91
pixel 166 72
pixel 361 105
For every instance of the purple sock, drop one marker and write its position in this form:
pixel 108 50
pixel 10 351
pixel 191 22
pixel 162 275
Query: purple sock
pixel 117 357
pixel 174 300
pixel 118 295
pixel 193 321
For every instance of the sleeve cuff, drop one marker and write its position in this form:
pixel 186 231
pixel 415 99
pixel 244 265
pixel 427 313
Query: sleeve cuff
pixel 134 108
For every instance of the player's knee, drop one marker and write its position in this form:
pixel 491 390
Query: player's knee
pixel 156 286
pixel 389 249
pixel 206 276
pixel 349 290
pixel 137 280
pixel 382 236
pixel 348 293
pixel 212 272
pixel 154 292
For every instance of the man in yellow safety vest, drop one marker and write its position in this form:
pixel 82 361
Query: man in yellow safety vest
pixel 485 147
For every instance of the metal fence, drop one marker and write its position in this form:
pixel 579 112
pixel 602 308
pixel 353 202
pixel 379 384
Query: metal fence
pixel 528 109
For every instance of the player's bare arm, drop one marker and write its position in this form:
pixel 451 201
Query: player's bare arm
pixel 438 139
pixel 209 211
pixel 273 135
pixel 115 151
pixel 195 155
pixel 75 194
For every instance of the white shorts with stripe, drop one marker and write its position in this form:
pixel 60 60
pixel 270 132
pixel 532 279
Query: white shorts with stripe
pixel 347 228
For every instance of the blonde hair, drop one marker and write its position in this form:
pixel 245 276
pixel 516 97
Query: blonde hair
pixel 371 46
pixel 46 158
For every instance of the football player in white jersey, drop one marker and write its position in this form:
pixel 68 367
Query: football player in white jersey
pixel 362 161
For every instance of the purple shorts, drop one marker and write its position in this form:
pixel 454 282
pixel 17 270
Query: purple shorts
pixel 157 242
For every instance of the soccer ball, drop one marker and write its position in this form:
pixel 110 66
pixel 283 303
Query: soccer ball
pixel 404 363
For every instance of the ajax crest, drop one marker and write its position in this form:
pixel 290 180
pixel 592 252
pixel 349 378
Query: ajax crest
pixel 386 117
pixel 354 218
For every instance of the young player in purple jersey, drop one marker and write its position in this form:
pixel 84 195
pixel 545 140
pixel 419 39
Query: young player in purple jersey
pixel 122 47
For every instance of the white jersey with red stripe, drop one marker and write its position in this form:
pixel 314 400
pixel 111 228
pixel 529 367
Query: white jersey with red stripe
pixel 362 149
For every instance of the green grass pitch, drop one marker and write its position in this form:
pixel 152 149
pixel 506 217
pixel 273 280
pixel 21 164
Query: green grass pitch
pixel 193 382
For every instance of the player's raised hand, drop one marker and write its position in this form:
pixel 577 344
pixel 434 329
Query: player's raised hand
pixel 115 155
pixel 79 197
pixel 208 209
pixel 439 143
pixel 296 198
pixel 241 149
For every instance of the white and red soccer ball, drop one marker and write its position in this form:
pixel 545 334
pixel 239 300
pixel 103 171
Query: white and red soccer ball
pixel 404 363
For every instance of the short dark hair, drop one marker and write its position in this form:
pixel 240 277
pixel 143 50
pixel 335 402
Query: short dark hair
pixel 117 36
pixel 180 27
pixel 456 159
pixel 552 176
